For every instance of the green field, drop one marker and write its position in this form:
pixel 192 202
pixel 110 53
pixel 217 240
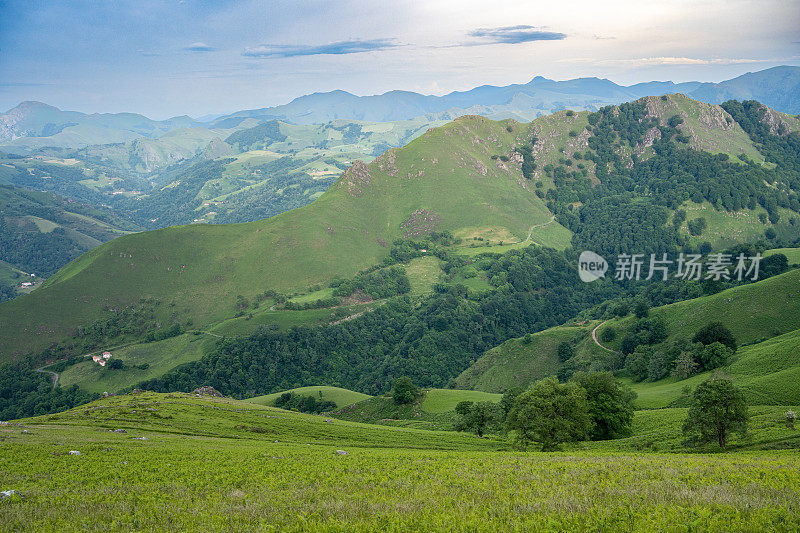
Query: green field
pixel 792 254
pixel 341 397
pixel 159 357
pixel 189 463
pixel 443 400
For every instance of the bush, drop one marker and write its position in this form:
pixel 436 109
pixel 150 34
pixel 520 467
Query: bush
pixel 608 334
pixel 566 351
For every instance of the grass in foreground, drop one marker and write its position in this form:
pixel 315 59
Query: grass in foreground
pixel 198 471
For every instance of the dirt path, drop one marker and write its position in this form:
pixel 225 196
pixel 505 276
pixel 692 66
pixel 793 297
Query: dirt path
pixel 530 231
pixel 55 376
pixel 594 336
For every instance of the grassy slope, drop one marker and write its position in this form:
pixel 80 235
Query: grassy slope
pixel 792 254
pixel 161 357
pixel 232 466
pixel 519 363
pixel 765 316
pixel 444 400
pixel 752 312
pixel 341 397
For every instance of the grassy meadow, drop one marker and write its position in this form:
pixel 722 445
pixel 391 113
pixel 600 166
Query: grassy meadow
pixel 189 463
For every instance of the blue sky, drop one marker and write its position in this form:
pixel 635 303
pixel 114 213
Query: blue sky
pixel 166 58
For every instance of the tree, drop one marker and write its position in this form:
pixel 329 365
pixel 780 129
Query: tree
pixel 404 391
pixel 717 409
pixel 550 413
pixel 115 364
pixel 715 332
pixel 641 309
pixel 608 334
pixel 714 355
pixel 685 365
pixel 610 405
pixel 565 351
pixel 478 417
pixel 637 364
pixel 509 399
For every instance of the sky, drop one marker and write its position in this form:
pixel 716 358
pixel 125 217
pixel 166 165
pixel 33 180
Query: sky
pixel 193 57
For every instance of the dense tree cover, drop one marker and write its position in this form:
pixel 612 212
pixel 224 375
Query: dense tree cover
pixel 382 283
pixel 256 137
pixel 550 413
pixel 628 211
pixel 718 408
pixel 648 358
pixel 478 417
pixel 431 341
pixel 303 403
pixel 24 393
pixel 782 149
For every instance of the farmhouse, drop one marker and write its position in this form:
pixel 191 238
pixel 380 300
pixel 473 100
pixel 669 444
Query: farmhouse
pixel 106 355
pixel 99 360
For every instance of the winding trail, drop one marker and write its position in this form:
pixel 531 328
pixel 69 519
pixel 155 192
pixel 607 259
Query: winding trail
pixel 594 336
pixel 530 231
pixel 55 375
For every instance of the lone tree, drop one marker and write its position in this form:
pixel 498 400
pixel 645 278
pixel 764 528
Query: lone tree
pixel 610 405
pixel 404 391
pixel 550 413
pixel 478 417
pixel 717 409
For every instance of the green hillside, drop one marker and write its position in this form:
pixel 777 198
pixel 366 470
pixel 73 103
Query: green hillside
pixel 493 185
pixel 523 361
pixel 200 270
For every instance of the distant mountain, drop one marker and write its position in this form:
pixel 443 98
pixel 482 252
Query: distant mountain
pixel 778 88
pixel 34 124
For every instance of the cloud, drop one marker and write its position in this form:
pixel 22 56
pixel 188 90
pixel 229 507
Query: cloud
pixel 199 47
pixel 516 34
pixel 659 61
pixel 337 48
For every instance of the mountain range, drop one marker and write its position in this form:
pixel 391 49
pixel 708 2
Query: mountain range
pixel 32 125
